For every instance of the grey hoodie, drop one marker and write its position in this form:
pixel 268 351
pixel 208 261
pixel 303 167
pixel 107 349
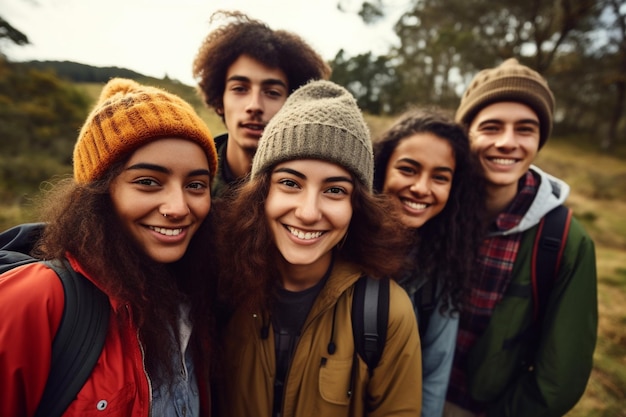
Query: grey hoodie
pixel 551 193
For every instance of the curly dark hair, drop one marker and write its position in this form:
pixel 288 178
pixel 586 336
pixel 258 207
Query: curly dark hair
pixel 376 241
pixel 81 220
pixel 243 35
pixel 447 245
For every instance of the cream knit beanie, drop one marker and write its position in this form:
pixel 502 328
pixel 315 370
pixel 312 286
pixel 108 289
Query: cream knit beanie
pixel 320 120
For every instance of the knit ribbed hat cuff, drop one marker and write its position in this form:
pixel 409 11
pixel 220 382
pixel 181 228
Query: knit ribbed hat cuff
pixel 299 142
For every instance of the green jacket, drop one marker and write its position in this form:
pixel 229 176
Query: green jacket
pixel 557 375
pixel 317 383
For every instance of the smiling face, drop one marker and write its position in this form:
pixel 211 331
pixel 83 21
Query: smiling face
pixel 505 137
pixel 167 176
pixel 419 177
pixel 308 209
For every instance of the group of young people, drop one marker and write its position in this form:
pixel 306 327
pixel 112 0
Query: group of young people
pixel 232 265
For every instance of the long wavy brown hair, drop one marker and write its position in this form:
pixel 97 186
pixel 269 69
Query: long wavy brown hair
pixel 376 241
pixel 81 220
pixel 242 35
pixel 446 247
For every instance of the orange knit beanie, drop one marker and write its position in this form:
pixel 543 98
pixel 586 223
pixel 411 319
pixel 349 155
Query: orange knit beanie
pixel 129 115
pixel 510 81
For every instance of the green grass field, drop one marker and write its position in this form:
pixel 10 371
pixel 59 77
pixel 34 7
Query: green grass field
pixel 599 199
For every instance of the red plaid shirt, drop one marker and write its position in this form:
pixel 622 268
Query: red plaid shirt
pixel 495 266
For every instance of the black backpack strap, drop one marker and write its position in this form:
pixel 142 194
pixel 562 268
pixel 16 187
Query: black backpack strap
pixel 370 315
pixel 425 298
pixel 546 257
pixel 78 342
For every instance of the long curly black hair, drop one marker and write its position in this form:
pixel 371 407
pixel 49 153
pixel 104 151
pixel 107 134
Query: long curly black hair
pixel 446 247
pixel 80 219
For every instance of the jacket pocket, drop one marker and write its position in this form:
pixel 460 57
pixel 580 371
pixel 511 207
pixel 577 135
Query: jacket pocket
pixel 495 360
pixel 334 381
pixel 99 404
pixel 495 373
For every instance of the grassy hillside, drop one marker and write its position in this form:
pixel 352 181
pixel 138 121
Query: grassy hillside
pixel 21 171
pixel 599 198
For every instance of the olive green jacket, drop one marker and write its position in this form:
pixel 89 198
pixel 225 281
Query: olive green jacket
pixel 318 383
pixel 551 381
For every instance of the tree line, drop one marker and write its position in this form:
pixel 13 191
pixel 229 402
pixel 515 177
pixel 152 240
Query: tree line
pixel 40 115
pixel 578 45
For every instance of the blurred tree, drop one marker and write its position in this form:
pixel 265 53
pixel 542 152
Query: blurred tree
pixel 589 79
pixel 369 78
pixel 46 110
pixel 9 33
pixel 440 51
pixel 40 116
pixel 614 55
pixel 443 43
pixel 370 12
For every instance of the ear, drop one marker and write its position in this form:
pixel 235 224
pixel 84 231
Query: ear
pixel 220 111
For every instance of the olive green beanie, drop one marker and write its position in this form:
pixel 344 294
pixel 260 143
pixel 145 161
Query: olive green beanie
pixel 320 120
pixel 510 81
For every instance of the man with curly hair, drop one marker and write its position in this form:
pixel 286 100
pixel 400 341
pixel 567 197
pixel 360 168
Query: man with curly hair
pixel 245 71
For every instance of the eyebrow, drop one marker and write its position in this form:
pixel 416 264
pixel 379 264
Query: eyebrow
pixel 499 121
pixel 302 176
pixel 528 121
pixel 266 82
pixel 418 165
pixel 159 168
pixel 199 172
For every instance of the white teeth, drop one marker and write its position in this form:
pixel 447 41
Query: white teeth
pixel 166 232
pixel 502 161
pixel 414 205
pixel 304 235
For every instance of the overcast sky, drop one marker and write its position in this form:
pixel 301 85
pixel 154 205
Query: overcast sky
pixel 159 37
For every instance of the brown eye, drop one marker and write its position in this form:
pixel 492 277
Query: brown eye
pixel 489 128
pixel 146 181
pixel 288 183
pixel 406 169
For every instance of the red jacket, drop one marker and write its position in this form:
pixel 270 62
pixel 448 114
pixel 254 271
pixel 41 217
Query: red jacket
pixel 31 305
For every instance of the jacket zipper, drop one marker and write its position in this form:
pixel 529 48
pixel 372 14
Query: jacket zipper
pixel 143 362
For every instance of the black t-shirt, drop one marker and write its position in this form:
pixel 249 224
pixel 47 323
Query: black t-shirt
pixel 290 312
